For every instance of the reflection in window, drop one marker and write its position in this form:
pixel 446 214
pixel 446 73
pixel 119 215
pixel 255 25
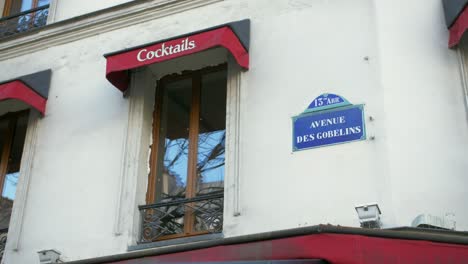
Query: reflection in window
pixel 23 15
pixel 174 134
pixel 212 133
pixel 12 133
pixel 13 7
pixel 185 189
pixel 9 186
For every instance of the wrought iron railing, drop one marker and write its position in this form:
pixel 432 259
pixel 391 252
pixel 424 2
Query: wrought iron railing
pixel 3 239
pixel 167 219
pixel 24 21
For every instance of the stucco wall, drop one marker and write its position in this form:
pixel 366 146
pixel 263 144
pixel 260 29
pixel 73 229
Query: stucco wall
pixel 391 56
pixel 426 119
pixel 66 9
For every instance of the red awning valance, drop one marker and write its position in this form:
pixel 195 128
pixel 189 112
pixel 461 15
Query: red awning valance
pixel 32 89
pixel 232 36
pixel 458 28
pixel 333 244
pixel 456 18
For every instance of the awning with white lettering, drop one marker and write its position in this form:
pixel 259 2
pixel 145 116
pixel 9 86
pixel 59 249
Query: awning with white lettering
pixel 234 36
pixel 456 18
pixel 32 89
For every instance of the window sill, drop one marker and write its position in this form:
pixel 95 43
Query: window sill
pixel 176 241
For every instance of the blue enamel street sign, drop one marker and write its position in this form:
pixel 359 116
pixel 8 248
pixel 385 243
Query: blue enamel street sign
pixel 326 101
pixel 334 125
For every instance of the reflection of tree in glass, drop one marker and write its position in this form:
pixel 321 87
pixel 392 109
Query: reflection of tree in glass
pixel 9 187
pixel 211 149
pixel 176 150
pixel 210 173
pixel 211 159
pixel 12 178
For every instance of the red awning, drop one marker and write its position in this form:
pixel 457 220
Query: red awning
pixel 458 28
pixel 334 244
pixel 232 36
pixel 32 89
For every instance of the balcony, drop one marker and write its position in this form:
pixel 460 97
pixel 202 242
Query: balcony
pixel 23 21
pixel 179 217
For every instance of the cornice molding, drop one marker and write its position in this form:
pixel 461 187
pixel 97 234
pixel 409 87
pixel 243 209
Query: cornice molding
pixel 91 24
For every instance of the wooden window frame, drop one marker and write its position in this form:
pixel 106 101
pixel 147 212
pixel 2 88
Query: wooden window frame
pixel 8 4
pixel 6 150
pixel 194 117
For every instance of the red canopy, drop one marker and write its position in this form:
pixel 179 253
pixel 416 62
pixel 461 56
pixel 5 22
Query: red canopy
pixel 334 244
pixel 233 36
pixel 20 91
pixel 32 89
pixel 458 28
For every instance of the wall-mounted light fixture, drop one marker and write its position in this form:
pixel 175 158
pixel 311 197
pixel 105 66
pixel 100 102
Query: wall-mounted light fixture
pixel 49 256
pixel 369 215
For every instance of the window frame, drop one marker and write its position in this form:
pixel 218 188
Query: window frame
pixel 5 152
pixel 7 8
pixel 135 151
pixel 194 116
pixel 13 22
pixel 9 3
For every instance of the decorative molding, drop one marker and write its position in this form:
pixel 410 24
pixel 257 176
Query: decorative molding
pixel 463 60
pixel 232 184
pixel 52 11
pixel 22 189
pixel 131 150
pixel 125 15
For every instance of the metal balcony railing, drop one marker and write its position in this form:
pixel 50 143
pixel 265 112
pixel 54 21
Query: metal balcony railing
pixel 24 21
pixel 166 219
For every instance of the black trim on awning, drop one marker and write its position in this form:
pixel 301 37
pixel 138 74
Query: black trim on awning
pixel 39 82
pixel 453 9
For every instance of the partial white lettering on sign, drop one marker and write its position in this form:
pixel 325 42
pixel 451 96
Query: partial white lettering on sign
pixel 328 121
pixel 186 44
pixel 326 101
pixel 331 133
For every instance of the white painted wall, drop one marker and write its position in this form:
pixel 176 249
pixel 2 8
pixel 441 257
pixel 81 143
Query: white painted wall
pixel 410 85
pixel 66 9
pixel 426 121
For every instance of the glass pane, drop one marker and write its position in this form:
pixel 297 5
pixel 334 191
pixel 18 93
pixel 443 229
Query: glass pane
pixel 14 162
pixel 212 133
pixel 11 145
pixel 5 204
pixel 172 162
pixel 26 5
pixel 16 7
pixel 42 3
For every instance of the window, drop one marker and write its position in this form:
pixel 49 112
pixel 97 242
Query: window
pixel 12 135
pixel 186 181
pixel 13 7
pixel 23 15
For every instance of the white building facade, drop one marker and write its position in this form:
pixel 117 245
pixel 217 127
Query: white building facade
pixel 91 155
